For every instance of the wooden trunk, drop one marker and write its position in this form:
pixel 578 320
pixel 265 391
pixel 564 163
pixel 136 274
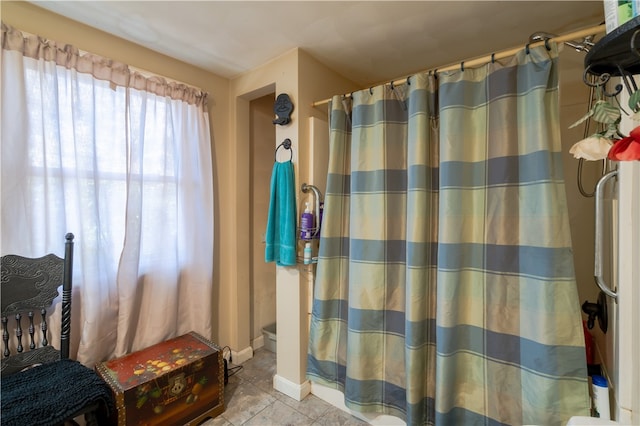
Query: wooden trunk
pixel 177 382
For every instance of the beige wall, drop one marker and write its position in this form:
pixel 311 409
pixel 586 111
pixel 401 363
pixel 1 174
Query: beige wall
pixel 278 76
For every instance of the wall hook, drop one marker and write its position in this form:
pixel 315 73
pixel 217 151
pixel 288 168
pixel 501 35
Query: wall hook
pixel 597 310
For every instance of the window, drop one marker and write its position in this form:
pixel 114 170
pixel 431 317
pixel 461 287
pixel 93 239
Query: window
pixel 125 164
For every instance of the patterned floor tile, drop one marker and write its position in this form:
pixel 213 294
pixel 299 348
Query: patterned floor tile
pixel 250 400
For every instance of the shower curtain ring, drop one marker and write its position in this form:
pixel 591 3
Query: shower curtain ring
pixel 546 44
pixel 409 81
pixel 391 84
pixel 493 58
pixel 526 49
pixel 462 66
pixel 371 90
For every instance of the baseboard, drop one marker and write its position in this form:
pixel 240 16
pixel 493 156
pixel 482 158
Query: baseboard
pixel 258 342
pixel 292 390
pixel 336 398
pixel 241 356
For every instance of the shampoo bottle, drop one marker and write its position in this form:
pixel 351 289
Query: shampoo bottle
pixel 306 223
pixel 307 253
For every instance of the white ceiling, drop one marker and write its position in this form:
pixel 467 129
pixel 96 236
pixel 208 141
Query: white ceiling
pixel 366 41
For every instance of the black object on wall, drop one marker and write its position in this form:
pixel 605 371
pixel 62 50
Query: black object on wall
pixel 282 108
pixel 597 311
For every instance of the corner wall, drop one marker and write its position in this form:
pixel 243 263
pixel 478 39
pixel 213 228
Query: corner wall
pixel 305 80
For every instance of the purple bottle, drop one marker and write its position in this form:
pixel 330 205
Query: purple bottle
pixel 306 223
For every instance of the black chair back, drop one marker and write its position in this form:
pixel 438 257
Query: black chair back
pixel 29 287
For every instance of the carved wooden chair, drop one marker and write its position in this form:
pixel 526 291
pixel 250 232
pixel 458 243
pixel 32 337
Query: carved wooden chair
pixel 39 383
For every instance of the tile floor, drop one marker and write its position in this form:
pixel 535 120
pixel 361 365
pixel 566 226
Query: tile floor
pixel 250 400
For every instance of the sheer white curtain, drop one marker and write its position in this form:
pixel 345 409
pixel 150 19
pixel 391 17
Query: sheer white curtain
pixel 124 162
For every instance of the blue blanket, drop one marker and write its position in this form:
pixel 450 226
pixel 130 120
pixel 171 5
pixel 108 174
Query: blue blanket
pixel 281 223
pixel 51 393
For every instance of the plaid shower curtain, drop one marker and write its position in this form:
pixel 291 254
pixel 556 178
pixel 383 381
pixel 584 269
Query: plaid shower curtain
pixel 445 290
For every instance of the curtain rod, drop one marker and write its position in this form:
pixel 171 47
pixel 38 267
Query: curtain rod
pixel 494 56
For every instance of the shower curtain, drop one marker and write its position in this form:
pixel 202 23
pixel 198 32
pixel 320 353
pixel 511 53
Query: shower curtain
pixel 445 291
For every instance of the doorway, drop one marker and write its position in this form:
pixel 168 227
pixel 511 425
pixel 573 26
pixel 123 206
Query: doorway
pixel 262 275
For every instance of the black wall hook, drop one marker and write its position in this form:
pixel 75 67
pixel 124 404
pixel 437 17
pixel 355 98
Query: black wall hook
pixel 597 311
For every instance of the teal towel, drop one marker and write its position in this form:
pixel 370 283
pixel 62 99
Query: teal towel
pixel 281 224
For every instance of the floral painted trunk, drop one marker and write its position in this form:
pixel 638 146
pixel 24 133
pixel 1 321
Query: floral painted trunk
pixel 180 381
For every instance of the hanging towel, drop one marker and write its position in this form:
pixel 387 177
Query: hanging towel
pixel 281 223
